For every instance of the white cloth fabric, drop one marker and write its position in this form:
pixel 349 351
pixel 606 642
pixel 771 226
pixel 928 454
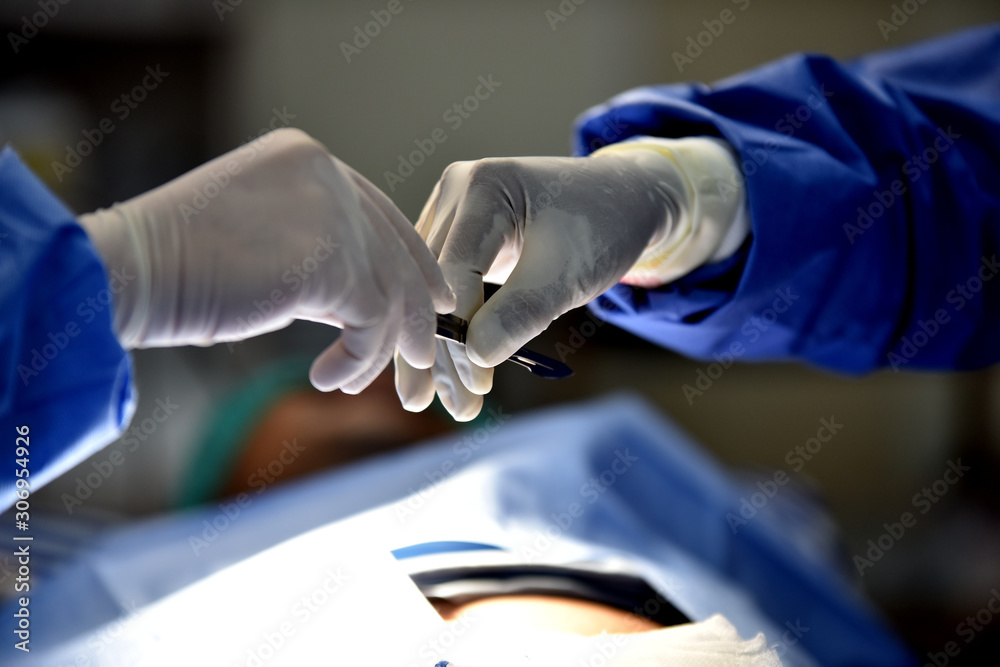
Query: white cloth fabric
pixel 603 482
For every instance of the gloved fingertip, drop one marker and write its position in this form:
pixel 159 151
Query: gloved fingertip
pixel 481 381
pixel 489 340
pixel 411 405
pixel 445 301
pixel 416 342
pixel 419 356
pixel 468 408
pixel 415 399
pixel 474 378
pixel 329 372
pixel 335 366
pixel 358 385
pixel 319 381
pixel 486 356
pixel 466 413
pixel 462 410
pixel 470 412
pixel 414 387
pixel 421 364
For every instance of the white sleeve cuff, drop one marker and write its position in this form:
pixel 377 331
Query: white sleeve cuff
pixel 710 219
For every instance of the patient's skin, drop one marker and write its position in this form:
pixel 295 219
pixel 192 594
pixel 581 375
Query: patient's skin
pixel 518 613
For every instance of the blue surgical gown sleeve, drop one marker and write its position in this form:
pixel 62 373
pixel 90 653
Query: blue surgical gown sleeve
pixel 67 388
pixel 874 196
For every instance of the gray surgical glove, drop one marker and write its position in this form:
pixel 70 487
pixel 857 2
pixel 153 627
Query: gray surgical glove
pixel 556 233
pixel 274 231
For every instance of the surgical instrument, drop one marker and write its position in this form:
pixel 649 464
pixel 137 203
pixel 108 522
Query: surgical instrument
pixel 453 328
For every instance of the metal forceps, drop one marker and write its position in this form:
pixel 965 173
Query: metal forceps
pixel 450 327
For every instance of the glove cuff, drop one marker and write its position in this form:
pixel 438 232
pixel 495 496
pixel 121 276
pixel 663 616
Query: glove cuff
pixel 709 220
pixel 121 248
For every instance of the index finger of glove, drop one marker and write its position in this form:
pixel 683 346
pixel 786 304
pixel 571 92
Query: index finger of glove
pixel 441 293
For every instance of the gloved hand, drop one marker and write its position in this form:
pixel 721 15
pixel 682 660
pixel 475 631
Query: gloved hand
pixel 274 231
pixel 557 232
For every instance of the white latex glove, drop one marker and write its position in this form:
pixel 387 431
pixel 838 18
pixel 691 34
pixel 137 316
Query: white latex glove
pixel 274 231
pixel 558 232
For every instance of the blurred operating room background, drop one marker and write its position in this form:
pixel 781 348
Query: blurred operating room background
pixel 108 99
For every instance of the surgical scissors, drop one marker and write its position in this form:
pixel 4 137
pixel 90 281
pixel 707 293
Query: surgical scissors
pixel 453 328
